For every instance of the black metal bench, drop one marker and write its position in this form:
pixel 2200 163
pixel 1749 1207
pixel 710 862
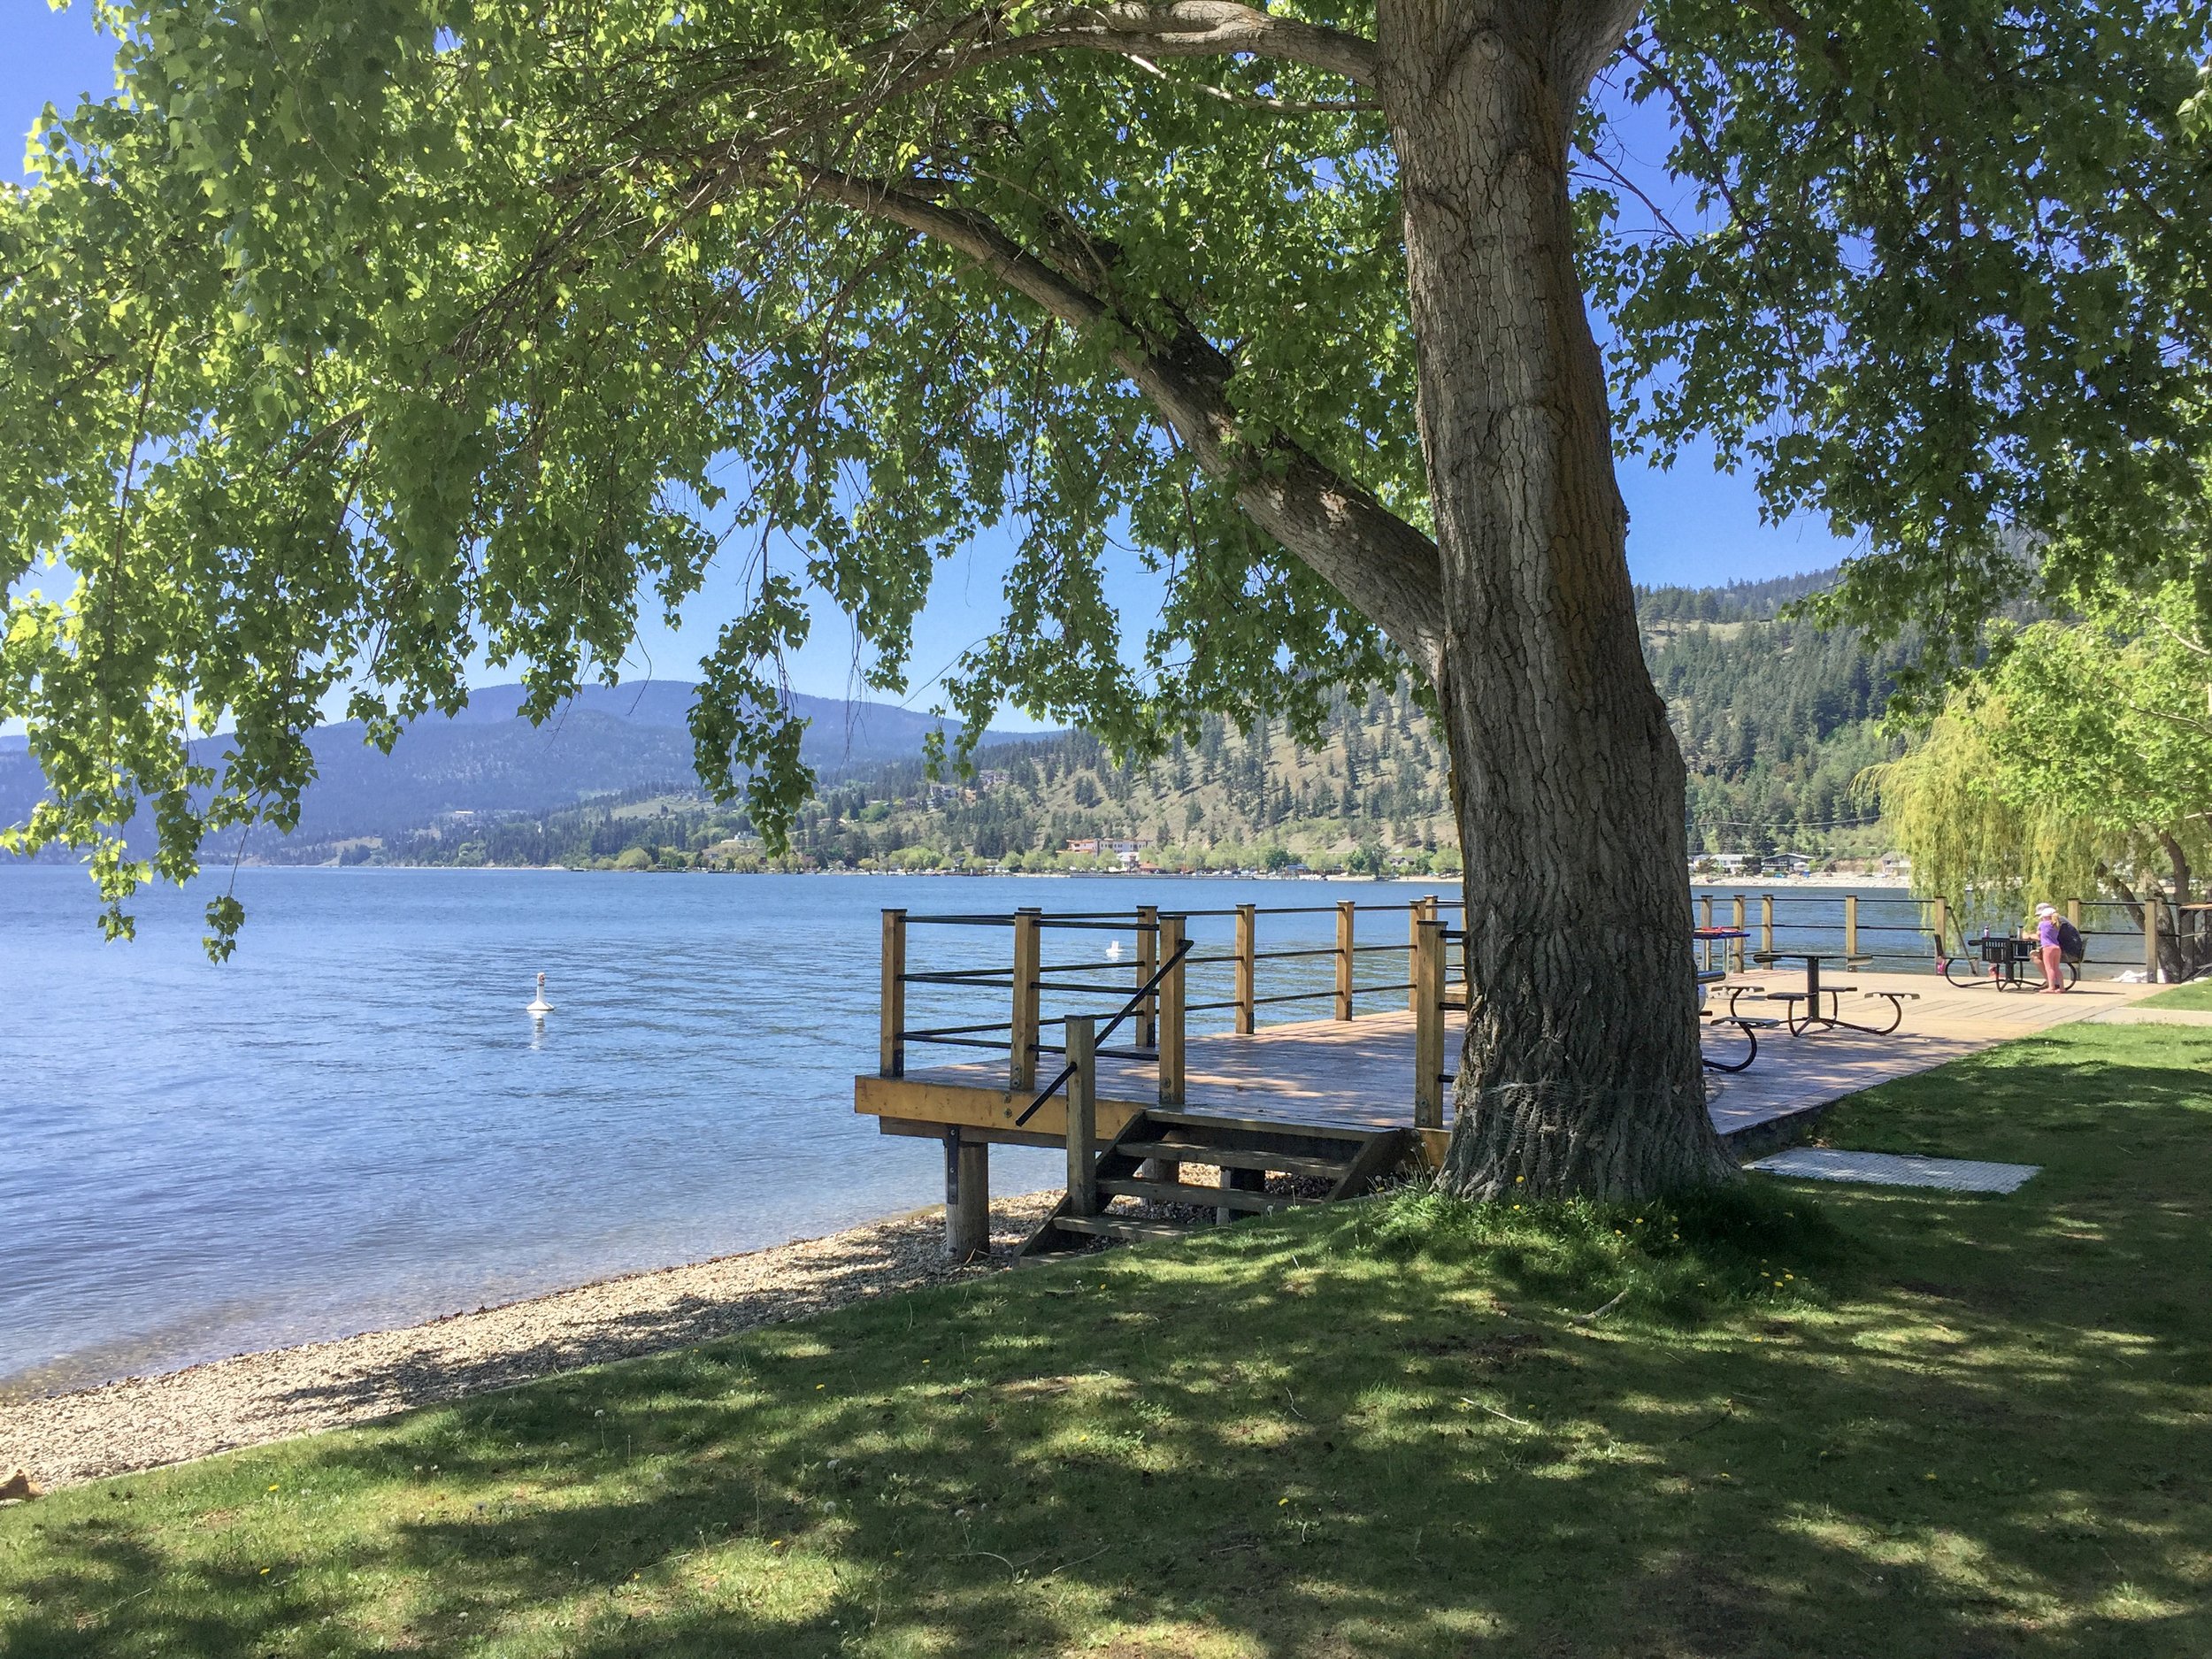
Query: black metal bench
pixel 1897 1000
pixel 1751 1025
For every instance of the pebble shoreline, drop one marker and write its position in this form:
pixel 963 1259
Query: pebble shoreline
pixel 145 1421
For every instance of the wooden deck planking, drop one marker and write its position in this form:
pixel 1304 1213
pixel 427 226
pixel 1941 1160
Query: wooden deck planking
pixel 1358 1073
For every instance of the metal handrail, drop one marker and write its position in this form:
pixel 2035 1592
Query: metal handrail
pixel 1175 960
pixel 923 1033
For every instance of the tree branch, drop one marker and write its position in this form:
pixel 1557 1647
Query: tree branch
pixel 1384 567
pixel 1199 29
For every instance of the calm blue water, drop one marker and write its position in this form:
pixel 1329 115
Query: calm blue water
pixel 353 1125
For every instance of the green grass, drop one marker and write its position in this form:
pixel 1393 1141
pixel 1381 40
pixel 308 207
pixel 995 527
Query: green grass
pixel 1825 1422
pixel 2196 995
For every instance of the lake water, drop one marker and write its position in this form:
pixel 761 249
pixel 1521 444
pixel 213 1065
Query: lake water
pixel 353 1124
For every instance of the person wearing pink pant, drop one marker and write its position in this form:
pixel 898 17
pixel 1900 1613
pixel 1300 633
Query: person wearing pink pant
pixel 2048 950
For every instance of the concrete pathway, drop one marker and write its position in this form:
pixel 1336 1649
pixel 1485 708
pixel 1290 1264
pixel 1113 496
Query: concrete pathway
pixel 2153 1016
pixel 1890 1168
pixel 1798 1076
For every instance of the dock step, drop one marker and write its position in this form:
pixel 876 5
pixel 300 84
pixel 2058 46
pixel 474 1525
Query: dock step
pixel 1215 1197
pixel 1127 1229
pixel 1344 1163
pixel 1179 1149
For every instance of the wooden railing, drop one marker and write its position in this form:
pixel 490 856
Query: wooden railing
pixel 1901 930
pixel 1158 1020
pixel 1905 932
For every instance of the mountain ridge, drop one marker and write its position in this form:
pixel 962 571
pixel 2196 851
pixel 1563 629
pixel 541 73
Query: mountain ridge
pixel 607 741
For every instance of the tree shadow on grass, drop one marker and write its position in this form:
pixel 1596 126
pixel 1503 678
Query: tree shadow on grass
pixel 1961 1434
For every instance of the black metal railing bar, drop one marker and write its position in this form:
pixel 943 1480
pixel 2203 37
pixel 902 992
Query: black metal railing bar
pixel 1148 989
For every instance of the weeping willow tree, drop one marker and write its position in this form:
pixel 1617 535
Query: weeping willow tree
pixel 2079 763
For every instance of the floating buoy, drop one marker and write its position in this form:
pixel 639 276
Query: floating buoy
pixel 539 1007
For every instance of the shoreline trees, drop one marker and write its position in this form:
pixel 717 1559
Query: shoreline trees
pixel 2078 762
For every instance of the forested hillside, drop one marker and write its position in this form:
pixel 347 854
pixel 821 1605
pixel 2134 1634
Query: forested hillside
pixel 1776 719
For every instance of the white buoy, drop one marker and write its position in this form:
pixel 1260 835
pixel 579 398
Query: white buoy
pixel 539 1007
pixel 1113 951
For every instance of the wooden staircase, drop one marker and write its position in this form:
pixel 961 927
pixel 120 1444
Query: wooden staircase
pixel 1143 1163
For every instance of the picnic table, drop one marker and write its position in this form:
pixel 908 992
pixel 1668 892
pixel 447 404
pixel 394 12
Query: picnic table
pixel 1748 1025
pixel 1800 1022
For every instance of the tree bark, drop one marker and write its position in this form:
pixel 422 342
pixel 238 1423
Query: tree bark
pixel 1581 1072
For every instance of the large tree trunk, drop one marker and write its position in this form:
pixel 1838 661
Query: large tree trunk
pixel 1581 1072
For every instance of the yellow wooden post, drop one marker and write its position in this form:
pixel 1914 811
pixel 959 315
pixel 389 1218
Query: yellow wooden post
pixel 1705 920
pixel 1022 1072
pixel 1248 965
pixel 1766 923
pixel 891 1041
pixel 1428 1024
pixel 1850 923
pixel 1172 1002
pixel 967 1197
pixel 2073 913
pixel 1147 965
pixel 1422 910
pixel 1082 1114
pixel 1344 958
pixel 1735 946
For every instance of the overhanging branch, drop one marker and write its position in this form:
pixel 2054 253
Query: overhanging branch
pixel 1198 28
pixel 1384 568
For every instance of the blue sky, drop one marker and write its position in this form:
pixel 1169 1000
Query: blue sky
pixel 1692 525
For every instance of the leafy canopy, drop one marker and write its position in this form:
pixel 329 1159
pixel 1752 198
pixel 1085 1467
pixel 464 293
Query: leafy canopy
pixel 358 339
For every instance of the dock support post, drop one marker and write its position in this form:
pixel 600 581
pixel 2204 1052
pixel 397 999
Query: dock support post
pixel 1171 1000
pixel 1850 923
pixel 2073 913
pixel 1735 946
pixel 967 1197
pixel 1147 965
pixel 1428 1024
pixel 1940 920
pixel 891 1042
pixel 1022 1069
pixel 1344 958
pixel 1082 1114
pixel 1705 920
pixel 1766 924
pixel 1247 962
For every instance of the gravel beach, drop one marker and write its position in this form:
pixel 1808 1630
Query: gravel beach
pixel 143 1422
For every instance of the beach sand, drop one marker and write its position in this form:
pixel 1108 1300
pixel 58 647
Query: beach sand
pixel 144 1422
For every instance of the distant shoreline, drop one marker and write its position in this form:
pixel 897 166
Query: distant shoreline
pixel 1840 879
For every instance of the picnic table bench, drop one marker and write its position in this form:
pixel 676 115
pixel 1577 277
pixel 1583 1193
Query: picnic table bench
pixel 1802 1020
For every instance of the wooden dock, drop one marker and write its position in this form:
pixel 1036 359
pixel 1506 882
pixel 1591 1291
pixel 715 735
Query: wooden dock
pixel 1350 1072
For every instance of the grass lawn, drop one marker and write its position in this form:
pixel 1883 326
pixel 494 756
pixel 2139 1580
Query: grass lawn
pixel 1825 1422
pixel 2198 995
